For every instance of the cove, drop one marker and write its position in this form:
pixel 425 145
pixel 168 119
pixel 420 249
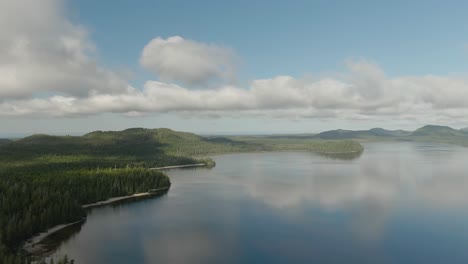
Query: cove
pixel 395 203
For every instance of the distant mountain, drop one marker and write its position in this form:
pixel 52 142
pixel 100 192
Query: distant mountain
pixel 356 134
pixel 337 134
pixel 391 133
pixel 437 131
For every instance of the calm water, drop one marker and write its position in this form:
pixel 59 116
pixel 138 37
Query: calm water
pixel 396 203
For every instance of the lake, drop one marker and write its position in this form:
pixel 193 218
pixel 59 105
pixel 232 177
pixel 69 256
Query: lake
pixel 395 203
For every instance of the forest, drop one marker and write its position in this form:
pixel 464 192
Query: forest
pixel 34 200
pixel 44 180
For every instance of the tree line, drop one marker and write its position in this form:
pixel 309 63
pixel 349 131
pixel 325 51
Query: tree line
pixel 33 202
pixel 44 180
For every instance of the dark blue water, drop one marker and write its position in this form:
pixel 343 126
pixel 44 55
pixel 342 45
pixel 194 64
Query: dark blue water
pixel 396 203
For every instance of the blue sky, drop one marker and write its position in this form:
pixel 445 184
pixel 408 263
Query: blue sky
pixel 290 37
pixel 324 65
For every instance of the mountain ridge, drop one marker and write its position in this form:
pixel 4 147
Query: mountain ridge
pixel 166 135
pixel 427 130
pixel 356 134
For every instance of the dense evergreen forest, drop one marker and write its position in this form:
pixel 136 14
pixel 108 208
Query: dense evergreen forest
pixel 45 180
pixel 33 200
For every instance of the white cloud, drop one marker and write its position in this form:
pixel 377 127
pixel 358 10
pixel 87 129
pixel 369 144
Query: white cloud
pixel 187 61
pixel 429 98
pixel 43 52
pixel 47 69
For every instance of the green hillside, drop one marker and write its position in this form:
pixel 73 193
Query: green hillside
pixel 154 147
pixel 139 147
pixel 437 131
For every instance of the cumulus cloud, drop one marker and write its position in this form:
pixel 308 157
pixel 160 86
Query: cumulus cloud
pixel 187 61
pixel 47 68
pixel 42 52
pixel 364 92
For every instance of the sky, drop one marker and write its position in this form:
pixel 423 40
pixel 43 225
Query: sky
pixel 231 67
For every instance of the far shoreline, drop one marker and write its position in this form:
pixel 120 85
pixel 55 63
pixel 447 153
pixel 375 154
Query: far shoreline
pixel 33 245
pixel 273 151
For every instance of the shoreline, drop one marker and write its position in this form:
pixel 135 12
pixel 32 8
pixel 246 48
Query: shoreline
pixel 178 166
pixel 122 198
pixel 33 245
pixel 276 150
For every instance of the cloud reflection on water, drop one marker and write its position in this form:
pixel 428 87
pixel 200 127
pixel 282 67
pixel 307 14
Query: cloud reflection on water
pixel 370 188
pixel 406 173
pixel 292 205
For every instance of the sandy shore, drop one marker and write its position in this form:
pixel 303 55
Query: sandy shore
pixel 33 245
pixel 178 166
pixel 120 198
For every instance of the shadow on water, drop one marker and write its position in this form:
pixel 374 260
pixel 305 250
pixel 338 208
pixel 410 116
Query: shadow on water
pixel 342 156
pixel 54 240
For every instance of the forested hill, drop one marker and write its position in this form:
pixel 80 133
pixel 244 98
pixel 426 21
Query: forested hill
pixel 155 147
pixel 131 142
pixel 170 142
pixel 429 133
pixel 45 179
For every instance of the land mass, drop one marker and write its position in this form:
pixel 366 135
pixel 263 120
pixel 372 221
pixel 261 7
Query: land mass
pixel 429 133
pixel 45 180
